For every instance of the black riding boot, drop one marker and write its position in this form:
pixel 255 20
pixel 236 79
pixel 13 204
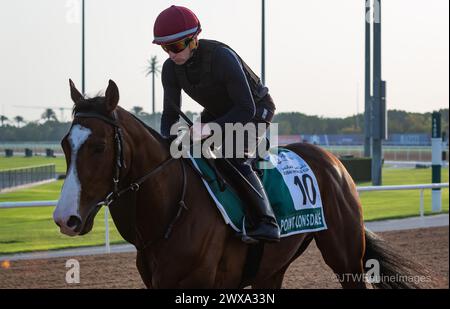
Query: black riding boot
pixel 264 226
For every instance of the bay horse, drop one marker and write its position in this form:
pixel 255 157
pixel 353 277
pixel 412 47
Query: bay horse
pixel 160 205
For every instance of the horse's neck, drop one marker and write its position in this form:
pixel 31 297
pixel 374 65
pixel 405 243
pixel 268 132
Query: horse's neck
pixel 156 199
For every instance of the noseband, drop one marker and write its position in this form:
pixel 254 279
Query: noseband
pixel 119 163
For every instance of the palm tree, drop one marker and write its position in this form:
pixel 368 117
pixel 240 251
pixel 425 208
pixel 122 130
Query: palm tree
pixel 137 110
pixel 19 120
pixel 154 70
pixel 49 114
pixel 3 119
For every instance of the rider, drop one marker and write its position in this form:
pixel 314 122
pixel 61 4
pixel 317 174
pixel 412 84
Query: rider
pixel 212 74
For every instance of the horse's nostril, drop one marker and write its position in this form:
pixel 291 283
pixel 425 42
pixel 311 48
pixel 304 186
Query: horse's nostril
pixel 74 222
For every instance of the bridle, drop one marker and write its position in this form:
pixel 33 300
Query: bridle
pixel 119 164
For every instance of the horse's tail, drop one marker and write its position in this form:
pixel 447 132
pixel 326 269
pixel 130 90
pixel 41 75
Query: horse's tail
pixel 395 271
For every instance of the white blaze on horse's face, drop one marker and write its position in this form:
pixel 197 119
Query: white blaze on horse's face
pixel 66 214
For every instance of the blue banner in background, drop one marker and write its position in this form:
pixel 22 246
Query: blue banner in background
pixel 396 139
pixel 333 139
pixel 409 139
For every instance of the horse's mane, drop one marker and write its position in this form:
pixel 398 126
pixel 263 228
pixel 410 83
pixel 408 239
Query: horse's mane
pixel 97 105
pixel 152 131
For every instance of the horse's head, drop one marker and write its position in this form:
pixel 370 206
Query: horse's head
pixel 91 152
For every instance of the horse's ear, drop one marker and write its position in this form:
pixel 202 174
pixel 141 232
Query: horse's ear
pixel 74 93
pixel 112 96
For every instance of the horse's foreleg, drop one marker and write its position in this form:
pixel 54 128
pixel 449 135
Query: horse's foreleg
pixel 199 278
pixel 143 269
pixel 273 282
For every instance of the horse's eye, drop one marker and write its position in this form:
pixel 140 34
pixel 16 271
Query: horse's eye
pixel 99 148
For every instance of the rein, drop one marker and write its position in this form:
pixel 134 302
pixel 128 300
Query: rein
pixel 134 186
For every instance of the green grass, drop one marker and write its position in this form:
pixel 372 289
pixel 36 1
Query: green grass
pixel 46 192
pixel 400 204
pixel 30 229
pixel 18 162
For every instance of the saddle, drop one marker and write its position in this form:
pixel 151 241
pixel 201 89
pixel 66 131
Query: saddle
pixel 221 176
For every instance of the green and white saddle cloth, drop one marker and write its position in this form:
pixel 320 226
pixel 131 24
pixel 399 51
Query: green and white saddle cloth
pixel 292 189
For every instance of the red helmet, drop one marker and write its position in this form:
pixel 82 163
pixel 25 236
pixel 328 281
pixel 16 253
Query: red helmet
pixel 174 24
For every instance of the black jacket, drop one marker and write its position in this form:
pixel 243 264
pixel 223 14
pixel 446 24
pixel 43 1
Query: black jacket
pixel 219 80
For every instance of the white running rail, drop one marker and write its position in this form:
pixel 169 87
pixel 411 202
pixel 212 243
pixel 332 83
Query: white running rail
pixel 421 187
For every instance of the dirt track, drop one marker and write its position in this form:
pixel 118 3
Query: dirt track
pixel 427 246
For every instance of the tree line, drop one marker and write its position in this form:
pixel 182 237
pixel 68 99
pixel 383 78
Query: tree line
pixel 50 129
pixel 398 122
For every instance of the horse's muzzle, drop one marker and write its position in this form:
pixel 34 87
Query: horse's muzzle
pixel 70 226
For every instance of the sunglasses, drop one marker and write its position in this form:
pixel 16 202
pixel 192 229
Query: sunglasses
pixel 178 46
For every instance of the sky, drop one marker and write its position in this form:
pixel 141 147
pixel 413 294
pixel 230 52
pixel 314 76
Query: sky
pixel 314 52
